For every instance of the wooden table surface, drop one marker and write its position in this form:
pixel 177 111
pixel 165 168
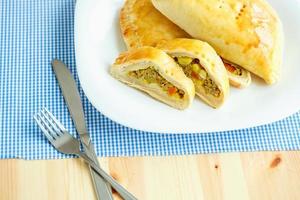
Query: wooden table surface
pixel 263 175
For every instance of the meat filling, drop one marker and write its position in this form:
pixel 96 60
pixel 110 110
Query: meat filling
pixel 151 76
pixel 193 69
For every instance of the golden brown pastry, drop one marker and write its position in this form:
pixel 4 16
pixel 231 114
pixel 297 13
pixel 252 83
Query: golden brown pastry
pixel 143 25
pixel 201 63
pixel 154 72
pixel 245 32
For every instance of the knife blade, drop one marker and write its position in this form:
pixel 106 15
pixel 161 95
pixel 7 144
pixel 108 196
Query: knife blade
pixel 71 95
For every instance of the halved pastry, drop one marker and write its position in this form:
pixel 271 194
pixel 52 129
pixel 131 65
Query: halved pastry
pixel 154 72
pixel 143 25
pixel 245 32
pixel 238 77
pixel 201 63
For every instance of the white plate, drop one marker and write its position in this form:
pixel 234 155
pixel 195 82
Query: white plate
pixel 98 42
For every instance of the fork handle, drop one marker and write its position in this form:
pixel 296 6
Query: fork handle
pixel 119 188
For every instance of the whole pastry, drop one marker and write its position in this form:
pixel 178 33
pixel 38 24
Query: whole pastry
pixel 247 33
pixel 142 25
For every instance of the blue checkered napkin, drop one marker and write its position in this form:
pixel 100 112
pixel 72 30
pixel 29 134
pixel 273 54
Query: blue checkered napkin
pixel 32 33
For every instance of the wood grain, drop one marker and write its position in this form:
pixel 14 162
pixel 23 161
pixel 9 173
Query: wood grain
pixel 265 175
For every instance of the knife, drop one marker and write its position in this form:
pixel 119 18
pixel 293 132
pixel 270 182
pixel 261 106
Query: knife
pixel 70 92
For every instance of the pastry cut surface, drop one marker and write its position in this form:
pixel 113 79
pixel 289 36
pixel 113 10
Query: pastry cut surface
pixel 238 77
pixel 154 72
pixel 200 63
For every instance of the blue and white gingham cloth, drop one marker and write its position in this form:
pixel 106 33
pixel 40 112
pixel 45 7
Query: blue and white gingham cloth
pixel 32 33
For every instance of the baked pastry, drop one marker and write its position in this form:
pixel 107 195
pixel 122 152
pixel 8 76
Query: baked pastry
pixel 238 77
pixel 245 32
pixel 143 25
pixel 201 63
pixel 154 72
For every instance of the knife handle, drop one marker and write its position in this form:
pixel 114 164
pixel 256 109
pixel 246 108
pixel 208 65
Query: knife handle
pixel 102 188
pixel 119 188
pixel 103 191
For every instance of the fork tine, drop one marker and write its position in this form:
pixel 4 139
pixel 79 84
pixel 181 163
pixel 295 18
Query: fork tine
pixel 48 125
pixel 42 127
pixel 56 121
pixel 51 121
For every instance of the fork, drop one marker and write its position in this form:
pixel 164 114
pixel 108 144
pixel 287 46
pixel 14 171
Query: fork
pixel 64 142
